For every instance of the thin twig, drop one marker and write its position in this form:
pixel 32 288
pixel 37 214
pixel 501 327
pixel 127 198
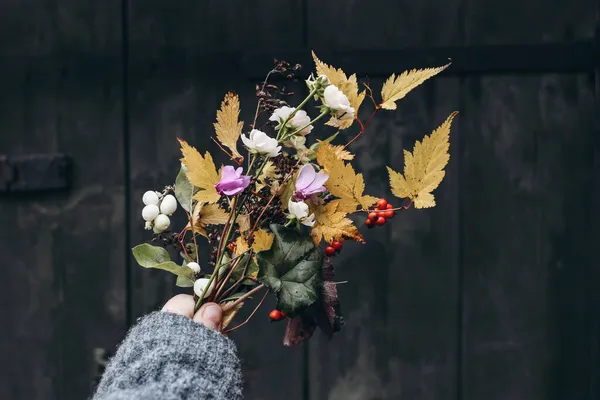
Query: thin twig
pixel 236 284
pixel 242 298
pixel 250 316
pixel 363 127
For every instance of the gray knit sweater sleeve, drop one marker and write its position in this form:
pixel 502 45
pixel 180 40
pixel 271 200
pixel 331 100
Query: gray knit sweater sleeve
pixel 168 356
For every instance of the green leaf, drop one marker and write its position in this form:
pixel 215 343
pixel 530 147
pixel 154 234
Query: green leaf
pixel 292 269
pixel 184 190
pixel 182 281
pixel 149 256
pixel 252 270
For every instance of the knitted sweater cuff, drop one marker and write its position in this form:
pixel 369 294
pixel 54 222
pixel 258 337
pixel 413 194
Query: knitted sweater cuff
pixel 168 356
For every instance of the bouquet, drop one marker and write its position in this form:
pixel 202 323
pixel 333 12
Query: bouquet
pixel 277 214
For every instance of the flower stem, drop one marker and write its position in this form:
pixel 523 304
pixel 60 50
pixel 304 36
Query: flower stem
pixel 298 108
pixel 229 306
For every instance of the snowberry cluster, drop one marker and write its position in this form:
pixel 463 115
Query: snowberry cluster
pixel 382 213
pixel 157 210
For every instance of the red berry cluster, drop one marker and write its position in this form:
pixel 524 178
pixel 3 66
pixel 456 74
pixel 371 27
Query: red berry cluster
pixel 277 315
pixel 382 213
pixel 336 247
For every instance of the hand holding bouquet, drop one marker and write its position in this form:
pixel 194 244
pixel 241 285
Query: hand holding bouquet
pixel 276 216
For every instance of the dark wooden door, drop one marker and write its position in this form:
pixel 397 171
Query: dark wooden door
pixel 491 295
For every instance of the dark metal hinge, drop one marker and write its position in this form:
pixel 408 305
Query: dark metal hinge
pixel 34 172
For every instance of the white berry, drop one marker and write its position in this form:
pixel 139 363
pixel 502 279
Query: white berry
pixel 168 205
pixel 161 223
pixel 200 284
pixel 150 198
pixel 150 212
pixel 194 266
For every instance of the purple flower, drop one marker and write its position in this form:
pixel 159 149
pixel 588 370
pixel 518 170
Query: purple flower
pixel 309 183
pixel 232 181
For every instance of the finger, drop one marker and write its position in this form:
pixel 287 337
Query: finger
pixel 210 315
pixel 182 304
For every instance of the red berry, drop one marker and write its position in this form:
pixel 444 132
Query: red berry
pixel 275 315
pixel 369 222
pixel 329 251
pixel 380 221
pixel 389 207
pixel 373 216
pixel 382 204
pixel 337 245
pixel 388 214
pixel 283 315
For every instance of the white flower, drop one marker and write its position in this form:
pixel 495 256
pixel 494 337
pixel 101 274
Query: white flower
pixel 298 121
pixel 200 284
pixel 194 266
pixel 150 212
pixel 168 205
pixel 299 211
pixel 260 142
pixel 161 223
pixel 338 102
pixel 150 198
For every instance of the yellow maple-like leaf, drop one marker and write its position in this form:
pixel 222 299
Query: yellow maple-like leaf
pixel 342 154
pixel 227 127
pixel 207 214
pixel 424 167
pixel 263 241
pixel 241 245
pixel 348 86
pixel 202 173
pixel 231 313
pixel 243 222
pixel 332 224
pixel 343 181
pixel 396 87
pixel 286 191
pixel 269 171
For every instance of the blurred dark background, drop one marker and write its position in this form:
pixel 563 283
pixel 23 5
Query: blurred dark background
pixel 492 295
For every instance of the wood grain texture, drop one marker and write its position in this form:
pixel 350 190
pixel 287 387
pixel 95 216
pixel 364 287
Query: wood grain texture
pixel 63 254
pixel 176 97
pixel 526 214
pixel 382 24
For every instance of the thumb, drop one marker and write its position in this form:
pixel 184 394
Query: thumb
pixel 210 315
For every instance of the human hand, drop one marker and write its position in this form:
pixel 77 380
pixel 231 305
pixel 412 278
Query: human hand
pixel 209 315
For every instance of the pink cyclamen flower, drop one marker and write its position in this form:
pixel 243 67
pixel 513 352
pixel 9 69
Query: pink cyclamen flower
pixel 309 183
pixel 232 181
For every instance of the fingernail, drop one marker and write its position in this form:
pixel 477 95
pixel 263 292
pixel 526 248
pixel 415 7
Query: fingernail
pixel 211 317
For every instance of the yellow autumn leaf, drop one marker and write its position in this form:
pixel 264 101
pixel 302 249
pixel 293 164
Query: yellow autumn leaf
pixel 343 181
pixel 396 87
pixel 230 313
pixel 263 241
pixel 424 167
pixel 240 246
pixel 342 154
pixel 243 222
pixel 269 171
pixel 227 127
pixel 332 224
pixel 286 191
pixel 207 214
pixel 348 86
pixel 202 173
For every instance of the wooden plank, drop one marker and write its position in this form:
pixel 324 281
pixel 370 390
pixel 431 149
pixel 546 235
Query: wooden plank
pixel 526 212
pixel 171 97
pixel 63 283
pixel 491 22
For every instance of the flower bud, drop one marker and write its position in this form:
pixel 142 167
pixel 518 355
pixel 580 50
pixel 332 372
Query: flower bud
pixel 150 198
pixel 194 266
pixel 168 205
pixel 161 223
pixel 150 212
pixel 200 284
